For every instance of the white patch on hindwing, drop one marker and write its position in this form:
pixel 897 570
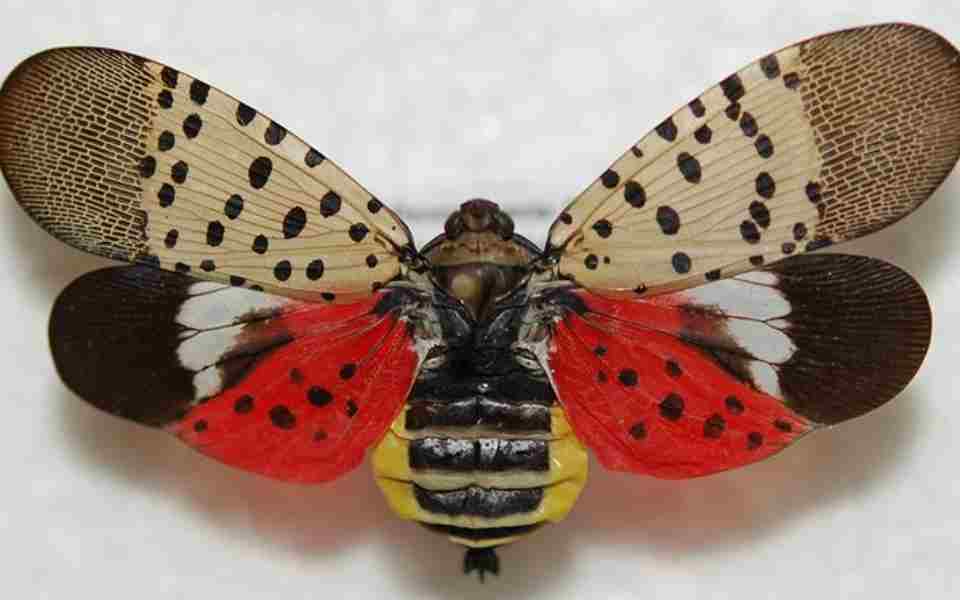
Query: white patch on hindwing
pixel 215 316
pixel 753 314
pixel 765 377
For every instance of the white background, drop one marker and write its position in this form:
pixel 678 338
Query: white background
pixel 429 104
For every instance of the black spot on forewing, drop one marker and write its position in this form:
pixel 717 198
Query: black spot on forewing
pixel 259 172
pixel 813 192
pixel 215 233
pixel 148 166
pixel 732 88
pixel 192 126
pixel 799 231
pixel 233 207
pixel 733 111
pixel 274 134
pixel 610 179
pixel 603 228
pixel 245 114
pixel 170 77
pixel 749 232
pixel 667 130
pixel 765 185
pixel 313 158
pixel 703 134
pixel 165 99
pixel 330 204
pixel 770 66
pixel 315 269
pixel 166 141
pixel 199 91
pixel 634 194
pixel 166 195
pixel 179 172
pixel 282 270
pixel 764 146
pixel 668 219
pixel 358 231
pixel 697 108
pixel 760 213
pixel 294 222
pixel 689 167
pixel 748 125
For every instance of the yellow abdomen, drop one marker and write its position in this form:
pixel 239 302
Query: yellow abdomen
pixel 481 487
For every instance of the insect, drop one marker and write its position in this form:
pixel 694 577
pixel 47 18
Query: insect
pixel 279 318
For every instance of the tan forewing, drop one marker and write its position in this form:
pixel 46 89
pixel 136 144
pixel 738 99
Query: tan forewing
pixel 130 159
pixel 821 142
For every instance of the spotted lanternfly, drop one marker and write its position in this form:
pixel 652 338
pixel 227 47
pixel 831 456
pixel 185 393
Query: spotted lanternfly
pixel 280 319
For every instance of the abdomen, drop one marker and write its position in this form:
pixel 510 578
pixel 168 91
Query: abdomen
pixel 483 460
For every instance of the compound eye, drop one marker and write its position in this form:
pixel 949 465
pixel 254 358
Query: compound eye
pixel 454 226
pixel 504 224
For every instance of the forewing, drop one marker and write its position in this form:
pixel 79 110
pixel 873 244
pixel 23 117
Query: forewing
pixel 130 159
pixel 704 380
pixel 292 390
pixel 821 142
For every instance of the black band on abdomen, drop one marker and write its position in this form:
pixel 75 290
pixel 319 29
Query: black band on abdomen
pixel 479 501
pixel 450 454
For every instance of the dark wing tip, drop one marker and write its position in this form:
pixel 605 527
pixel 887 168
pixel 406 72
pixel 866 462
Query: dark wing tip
pixel 884 101
pixel 862 328
pixel 73 125
pixel 113 339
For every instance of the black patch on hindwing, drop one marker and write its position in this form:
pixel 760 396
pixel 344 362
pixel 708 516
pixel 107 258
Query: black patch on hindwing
pixel 114 337
pixel 114 342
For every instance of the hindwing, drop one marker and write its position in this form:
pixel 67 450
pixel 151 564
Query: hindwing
pixel 288 389
pixel 708 379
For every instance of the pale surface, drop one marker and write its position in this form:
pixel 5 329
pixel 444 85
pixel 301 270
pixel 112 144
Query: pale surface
pixel 427 105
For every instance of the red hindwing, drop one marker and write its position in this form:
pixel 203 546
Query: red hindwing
pixel 308 410
pixel 647 402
